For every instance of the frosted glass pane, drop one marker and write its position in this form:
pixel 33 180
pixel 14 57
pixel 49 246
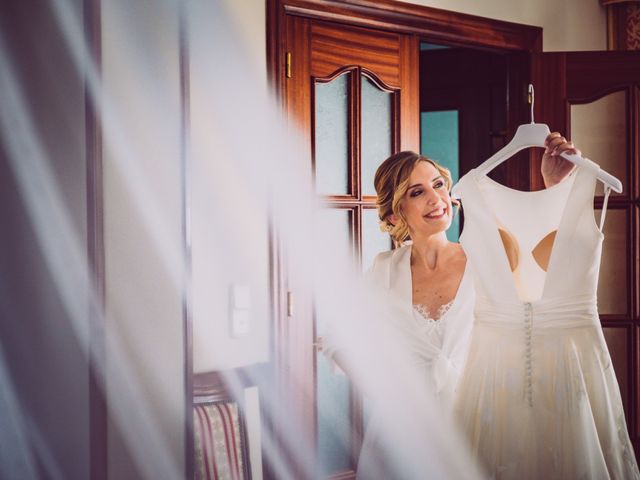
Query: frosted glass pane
pixel 336 222
pixel 599 129
pixel 439 141
pixel 376 131
pixel 333 389
pixel 332 136
pixel 373 240
pixel 612 286
pixel 334 425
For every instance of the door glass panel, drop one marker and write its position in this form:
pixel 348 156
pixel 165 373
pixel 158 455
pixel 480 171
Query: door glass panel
pixel 599 129
pixel 439 142
pixel 333 387
pixel 617 342
pixel 374 240
pixel 612 286
pixel 332 136
pixel 376 131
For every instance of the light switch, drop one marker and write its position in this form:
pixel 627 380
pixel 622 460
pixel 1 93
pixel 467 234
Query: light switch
pixel 241 297
pixel 240 309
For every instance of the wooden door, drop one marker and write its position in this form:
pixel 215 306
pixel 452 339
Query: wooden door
pixel 487 92
pixel 595 98
pixel 353 94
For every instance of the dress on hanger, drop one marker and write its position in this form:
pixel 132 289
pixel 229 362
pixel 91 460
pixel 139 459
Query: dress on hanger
pixel 538 397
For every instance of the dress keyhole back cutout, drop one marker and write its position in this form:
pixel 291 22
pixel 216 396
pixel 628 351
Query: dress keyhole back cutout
pixel 541 252
pixel 511 248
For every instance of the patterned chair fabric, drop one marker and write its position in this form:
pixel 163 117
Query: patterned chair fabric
pixel 219 442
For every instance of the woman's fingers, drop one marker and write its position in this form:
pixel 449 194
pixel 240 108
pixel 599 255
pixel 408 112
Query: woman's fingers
pixel 554 142
pixel 551 137
pixel 557 144
pixel 567 147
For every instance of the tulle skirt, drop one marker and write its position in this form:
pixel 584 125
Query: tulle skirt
pixel 548 408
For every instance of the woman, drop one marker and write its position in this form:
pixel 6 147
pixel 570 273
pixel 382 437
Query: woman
pixel 428 282
pixel 427 278
pixel 430 275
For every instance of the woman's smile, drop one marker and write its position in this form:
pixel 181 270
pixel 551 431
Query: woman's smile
pixel 436 214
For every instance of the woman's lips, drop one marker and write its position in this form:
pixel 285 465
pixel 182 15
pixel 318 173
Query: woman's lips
pixel 436 214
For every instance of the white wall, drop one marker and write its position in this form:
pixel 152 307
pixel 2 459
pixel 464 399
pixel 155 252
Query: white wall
pixel 143 239
pixel 228 217
pixel 568 25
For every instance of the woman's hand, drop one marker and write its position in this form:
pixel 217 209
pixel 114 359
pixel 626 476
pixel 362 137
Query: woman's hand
pixel 555 168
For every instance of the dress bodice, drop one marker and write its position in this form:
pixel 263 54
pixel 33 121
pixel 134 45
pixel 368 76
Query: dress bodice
pixel 545 255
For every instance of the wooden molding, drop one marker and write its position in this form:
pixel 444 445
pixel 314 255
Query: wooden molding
pixel 216 382
pixel 592 75
pixel 441 25
pixel 426 23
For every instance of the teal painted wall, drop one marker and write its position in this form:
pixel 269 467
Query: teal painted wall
pixel 439 141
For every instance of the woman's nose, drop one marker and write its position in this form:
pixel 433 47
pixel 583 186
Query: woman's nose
pixel 432 196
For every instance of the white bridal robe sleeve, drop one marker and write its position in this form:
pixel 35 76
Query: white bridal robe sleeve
pixel 438 353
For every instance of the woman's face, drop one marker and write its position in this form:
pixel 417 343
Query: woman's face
pixel 426 204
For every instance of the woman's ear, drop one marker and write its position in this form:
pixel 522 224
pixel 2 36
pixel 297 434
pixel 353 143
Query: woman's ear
pixel 392 219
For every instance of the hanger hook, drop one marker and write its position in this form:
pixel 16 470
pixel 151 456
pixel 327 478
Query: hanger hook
pixel 531 100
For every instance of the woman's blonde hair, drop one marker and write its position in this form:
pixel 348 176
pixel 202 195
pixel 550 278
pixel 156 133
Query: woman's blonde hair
pixel 391 182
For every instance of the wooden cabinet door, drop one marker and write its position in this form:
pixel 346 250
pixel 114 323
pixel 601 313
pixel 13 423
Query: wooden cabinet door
pixel 353 95
pixel 595 98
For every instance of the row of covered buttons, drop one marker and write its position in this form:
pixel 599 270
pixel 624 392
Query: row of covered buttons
pixel 528 326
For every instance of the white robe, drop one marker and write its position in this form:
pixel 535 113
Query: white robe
pixel 442 358
pixel 437 359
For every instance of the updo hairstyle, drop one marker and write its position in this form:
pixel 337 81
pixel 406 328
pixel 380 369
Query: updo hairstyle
pixel 391 183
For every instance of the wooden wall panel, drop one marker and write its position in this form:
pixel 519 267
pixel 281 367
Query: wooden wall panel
pixel 591 75
pixel 410 95
pixel 333 46
pixel 619 342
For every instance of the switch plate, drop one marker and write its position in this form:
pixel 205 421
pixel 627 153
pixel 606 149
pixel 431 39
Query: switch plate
pixel 241 295
pixel 240 322
pixel 240 309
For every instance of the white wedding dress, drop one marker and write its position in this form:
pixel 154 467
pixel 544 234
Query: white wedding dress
pixel 539 398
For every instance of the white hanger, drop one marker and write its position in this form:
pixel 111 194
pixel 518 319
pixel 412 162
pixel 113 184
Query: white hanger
pixel 533 135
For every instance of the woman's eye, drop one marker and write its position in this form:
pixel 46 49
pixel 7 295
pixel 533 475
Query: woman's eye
pixel 438 184
pixel 415 193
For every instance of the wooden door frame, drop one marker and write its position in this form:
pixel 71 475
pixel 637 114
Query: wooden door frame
pixel 575 78
pixel 419 23
pixel 434 24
